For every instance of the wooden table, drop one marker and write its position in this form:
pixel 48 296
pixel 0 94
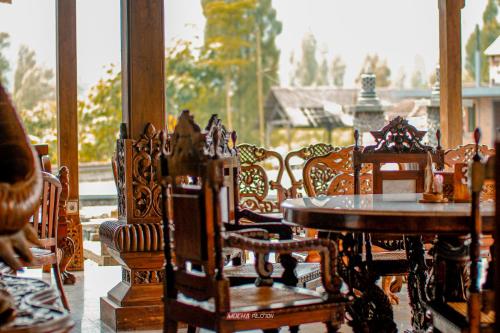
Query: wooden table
pixel 352 216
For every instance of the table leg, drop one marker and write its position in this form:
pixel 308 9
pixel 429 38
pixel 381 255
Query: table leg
pixel 371 310
pixel 449 279
pixel 417 279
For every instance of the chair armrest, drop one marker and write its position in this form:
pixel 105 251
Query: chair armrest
pixel 284 231
pixel 255 217
pixel 255 233
pixel 327 249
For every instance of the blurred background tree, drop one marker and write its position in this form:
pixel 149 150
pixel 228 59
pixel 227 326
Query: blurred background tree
pixel 375 65
pixel 4 62
pixel 487 35
pixel 337 72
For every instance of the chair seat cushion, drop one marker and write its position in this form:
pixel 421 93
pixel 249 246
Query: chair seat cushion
pixel 243 274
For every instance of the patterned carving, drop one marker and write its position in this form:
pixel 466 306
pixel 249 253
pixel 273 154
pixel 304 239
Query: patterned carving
pixel 36 307
pixel 136 165
pixel 398 137
pixel 71 243
pixel 333 174
pixel 139 237
pixel 149 276
pixel 217 139
pixel 253 180
pixel 464 154
pixel 306 153
pixel 126 275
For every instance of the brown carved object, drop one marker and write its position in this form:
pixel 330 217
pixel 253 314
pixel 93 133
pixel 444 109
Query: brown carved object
pixel 135 240
pixel 449 312
pixel 65 242
pixel 304 154
pixel 254 182
pixel 195 236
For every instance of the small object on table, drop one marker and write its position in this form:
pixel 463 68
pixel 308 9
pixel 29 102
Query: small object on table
pixel 460 189
pixel 433 185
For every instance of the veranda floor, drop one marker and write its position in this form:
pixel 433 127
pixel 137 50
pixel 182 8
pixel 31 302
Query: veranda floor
pixel 97 280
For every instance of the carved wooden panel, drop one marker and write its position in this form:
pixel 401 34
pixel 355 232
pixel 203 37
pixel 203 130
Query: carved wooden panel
pixel 253 180
pixel 305 154
pixel 137 168
pixel 333 174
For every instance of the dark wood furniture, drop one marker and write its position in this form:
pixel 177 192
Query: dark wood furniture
pixel 468 315
pixel 220 144
pixel 45 221
pixel 253 179
pixel 196 289
pixel 392 213
pixel 65 242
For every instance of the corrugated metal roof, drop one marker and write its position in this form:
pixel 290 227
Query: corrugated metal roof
pixel 494 48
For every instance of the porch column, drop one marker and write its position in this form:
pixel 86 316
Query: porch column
pixel 450 60
pixel 135 240
pixel 70 229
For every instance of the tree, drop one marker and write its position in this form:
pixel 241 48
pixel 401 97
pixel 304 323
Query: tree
pixel 307 68
pixel 373 64
pixel 32 83
pixel 225 46
pixel 99 118
pixel 487 35
pixel 417 79
pixel 322 79
pixel 337 72
pixel 400 80
pixel 4 62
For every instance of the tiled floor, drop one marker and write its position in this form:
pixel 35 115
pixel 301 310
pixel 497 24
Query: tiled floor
pixel 97 280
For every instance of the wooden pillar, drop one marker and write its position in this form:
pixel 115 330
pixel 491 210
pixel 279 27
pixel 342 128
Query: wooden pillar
pixel 136 301
pixel 450 60
pixel 143 71
pixel 67 128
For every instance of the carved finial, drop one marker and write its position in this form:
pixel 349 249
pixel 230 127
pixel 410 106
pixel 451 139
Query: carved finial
pixel 477 138
pixel 356 139
pixel 438 137
pixel 234 136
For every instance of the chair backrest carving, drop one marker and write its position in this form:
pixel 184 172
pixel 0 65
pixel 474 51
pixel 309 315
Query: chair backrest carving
pixel 254 183
pixel 45 219
pixel 304 154
pixel 196 218
pixel 400 143
pixel 333 174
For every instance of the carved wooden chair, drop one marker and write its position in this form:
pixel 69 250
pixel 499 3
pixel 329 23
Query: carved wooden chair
pixel 217 140
pixel 202 296
pixel 397 143
pixel 476 314
pixel 303 155
pixel 45 222
pixel 254 180
pixel 65 243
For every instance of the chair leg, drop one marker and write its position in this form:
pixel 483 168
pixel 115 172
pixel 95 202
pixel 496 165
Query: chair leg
pixel 272 330
pixel 330 328
pixel 192 329
pixel 171 326
pixel 294 329
pixel 57 275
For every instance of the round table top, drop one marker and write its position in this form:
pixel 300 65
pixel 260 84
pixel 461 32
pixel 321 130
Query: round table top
pixel 394 213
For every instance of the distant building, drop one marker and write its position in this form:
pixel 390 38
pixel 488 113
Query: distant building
pixel 493 53
pixel 330 108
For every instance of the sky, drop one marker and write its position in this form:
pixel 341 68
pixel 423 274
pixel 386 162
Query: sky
pixel 404 32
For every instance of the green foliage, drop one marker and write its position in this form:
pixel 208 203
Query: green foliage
pixel 32 83
pixel 417 80
pixel 322 79
pixel 33 96
pixel 337 71
pixel 99 118
pixel 487 35
pixel 373 64
pixel 307 68
pixel 4 62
